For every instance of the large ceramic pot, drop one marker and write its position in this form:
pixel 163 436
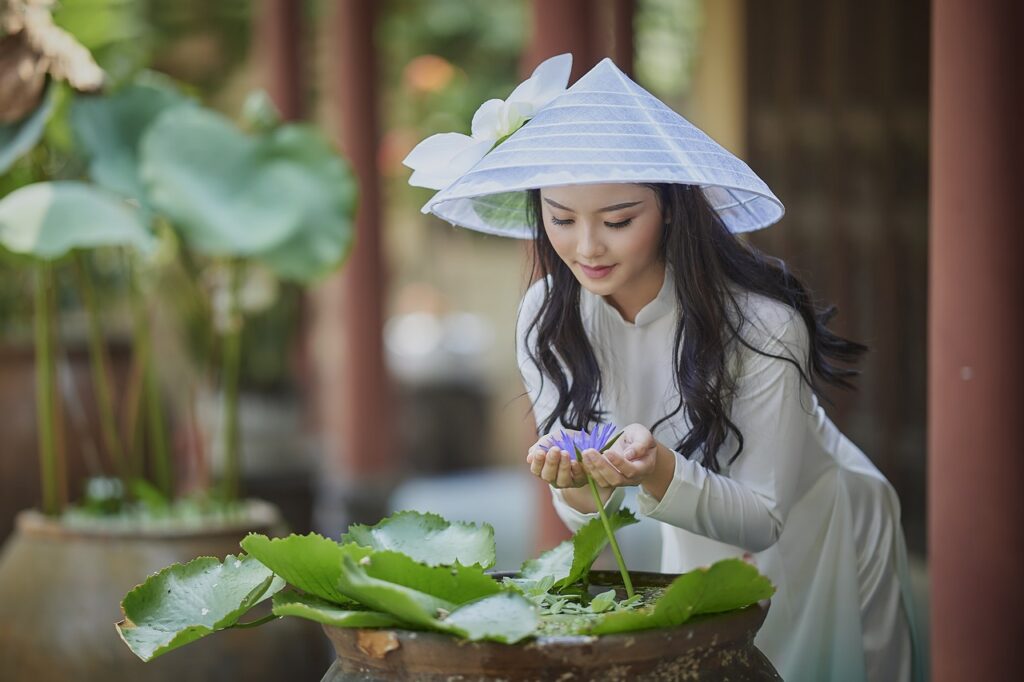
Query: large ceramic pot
pixel 719 647
pixel 60 594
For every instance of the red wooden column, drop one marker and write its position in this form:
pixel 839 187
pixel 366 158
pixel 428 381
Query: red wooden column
pixel 620 45
pixel 353 386
pixel 976 366
pixel 591 30
pixel 279 32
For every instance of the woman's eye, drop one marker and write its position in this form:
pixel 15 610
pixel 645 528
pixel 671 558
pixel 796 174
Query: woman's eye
pixel 556 221
pixel 622 223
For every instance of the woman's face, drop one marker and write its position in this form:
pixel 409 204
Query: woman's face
pixel 609 236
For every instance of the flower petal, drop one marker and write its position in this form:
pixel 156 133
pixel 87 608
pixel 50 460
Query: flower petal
pixel 548 80
pixel 436 149
pixel 514 114
pixel 440 159
pixel 487 120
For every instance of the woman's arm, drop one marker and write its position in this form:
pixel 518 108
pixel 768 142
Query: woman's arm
pixel 746 507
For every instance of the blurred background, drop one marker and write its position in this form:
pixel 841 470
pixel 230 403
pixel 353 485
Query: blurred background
pixel 392 383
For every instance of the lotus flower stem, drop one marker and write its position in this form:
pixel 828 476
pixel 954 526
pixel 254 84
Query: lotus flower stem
pixel 611 536
pixel 157 432
pixel 100 370
pixel 232 366
pixel 136 394
pixel 45 393
pixel 147 397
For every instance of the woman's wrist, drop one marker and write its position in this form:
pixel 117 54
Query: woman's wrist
pixel 657 483
pixel 582 500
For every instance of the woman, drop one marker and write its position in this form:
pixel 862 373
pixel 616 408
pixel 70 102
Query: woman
pixel 650 312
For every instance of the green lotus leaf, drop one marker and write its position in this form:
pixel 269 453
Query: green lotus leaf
pixel 456 584
pixel 46 220
pixel 316 609
pixel 18 138
pixel 412 606
pixel 571 560
pixel 428 538
pixel 310 562
pixel 502 616
pixel 283 197
pixel 110 127
pixel 184 602
pixel 724 586
pixel 507 617
pixel 325 189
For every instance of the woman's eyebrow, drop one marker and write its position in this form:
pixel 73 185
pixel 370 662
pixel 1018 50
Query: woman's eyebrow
pixel 606 209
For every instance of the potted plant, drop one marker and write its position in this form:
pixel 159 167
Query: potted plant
pixel 410 598
pixel 276 195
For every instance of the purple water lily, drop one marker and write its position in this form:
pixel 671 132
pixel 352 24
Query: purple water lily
pixel 598 439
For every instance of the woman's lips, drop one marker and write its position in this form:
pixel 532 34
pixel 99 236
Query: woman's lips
pixel 596 273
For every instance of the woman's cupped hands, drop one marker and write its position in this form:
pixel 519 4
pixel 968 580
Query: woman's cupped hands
pixel 629 460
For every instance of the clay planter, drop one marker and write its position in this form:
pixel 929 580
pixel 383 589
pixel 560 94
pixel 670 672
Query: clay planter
pixel 60 595
pixel 718 647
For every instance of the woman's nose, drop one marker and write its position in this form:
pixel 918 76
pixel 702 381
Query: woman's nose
pixel 589 245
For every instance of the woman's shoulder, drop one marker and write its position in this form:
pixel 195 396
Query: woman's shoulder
pixel 534 296
pixel 770 324
pixel 531 304
pixel 533 299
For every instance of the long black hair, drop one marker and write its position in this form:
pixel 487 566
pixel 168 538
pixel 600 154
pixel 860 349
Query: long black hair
pixel 707 262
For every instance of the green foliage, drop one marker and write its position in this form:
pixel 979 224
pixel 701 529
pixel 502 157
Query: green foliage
pixel 315 609
pixel 571 560
pixel 110 128
pixel 18 138
pixel 726 585
pixel 46 220
pixel 284 198
pixel 456 584
pixel 428 538
pixel 311 562
pixel 501 617
pixel 207 596
pixel 412 606
pixel 348 585
pixel 505 617
pixel 118 33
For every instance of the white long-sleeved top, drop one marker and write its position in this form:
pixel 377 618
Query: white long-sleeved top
pixel 820 520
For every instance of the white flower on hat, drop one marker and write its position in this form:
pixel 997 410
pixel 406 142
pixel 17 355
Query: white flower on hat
pixel 441 159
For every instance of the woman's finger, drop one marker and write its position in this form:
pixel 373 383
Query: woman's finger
pixel 564 478
pixel 549 472
pixel 579 475
pixel 599 469
pixel 623 466
pixel 536 463
pixel 534 452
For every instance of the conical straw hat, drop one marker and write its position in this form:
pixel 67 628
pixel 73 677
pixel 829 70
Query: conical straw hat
pixel 603 129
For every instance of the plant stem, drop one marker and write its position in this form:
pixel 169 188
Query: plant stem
pixel 232 365
pixel 44 388
pixel 157 432
pixel 57 396
pixel 136 393
pixel 100 370
pixel 255 623
pixel 611 535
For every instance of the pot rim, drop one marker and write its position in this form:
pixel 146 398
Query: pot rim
pixel 254 516
pixel 741 624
